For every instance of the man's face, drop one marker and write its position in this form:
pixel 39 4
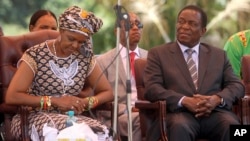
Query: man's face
pixel 189 28
pixel 134 31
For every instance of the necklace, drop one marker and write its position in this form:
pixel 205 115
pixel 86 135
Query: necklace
pixel 54 48
pixel 65 87
pixel 55 54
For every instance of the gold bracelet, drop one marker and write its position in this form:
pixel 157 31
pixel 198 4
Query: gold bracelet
pixel 95 102
pixel 49 102
pixel 41 103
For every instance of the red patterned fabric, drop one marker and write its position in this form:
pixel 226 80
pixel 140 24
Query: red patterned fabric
pixel 132 62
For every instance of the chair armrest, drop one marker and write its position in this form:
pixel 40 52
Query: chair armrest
pixel 160 108
pixel 245 110
pixel 105 106
pixel 109 107
pixel 8 109
pixel 146 105
pixel 24 113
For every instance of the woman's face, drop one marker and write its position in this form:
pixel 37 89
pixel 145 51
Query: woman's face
pixel 71 41
pixel 45 22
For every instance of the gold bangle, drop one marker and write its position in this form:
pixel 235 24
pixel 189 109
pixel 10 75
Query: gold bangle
pixel 41 103
pixel 95 102
pixel 49 101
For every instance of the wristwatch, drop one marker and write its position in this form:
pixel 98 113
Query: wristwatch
pixel 222 102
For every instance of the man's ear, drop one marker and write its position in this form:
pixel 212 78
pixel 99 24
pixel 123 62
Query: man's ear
pixel 203 31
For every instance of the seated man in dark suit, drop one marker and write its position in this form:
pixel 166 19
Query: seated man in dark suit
pixel 196 80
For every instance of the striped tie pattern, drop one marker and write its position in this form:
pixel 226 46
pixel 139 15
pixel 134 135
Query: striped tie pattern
pixel 192 67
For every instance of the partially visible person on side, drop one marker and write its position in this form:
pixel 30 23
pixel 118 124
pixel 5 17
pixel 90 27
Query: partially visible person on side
pixel 43 19
pixel 54 73
pixel 196 80
pixel 105 59
pixel 1 115
pixel 237 46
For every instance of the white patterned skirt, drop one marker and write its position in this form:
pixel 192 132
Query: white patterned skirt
pixel 38 119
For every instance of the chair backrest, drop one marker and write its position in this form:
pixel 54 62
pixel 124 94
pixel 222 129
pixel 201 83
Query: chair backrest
pixel 139 73
pixel 245 73
pixel 11 50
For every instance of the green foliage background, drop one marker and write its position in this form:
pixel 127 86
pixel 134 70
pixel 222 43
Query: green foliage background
pixel 15 14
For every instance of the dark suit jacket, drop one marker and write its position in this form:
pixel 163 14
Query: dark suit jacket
pixel 167 76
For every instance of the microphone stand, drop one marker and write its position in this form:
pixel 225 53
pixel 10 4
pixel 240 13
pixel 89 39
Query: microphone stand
pixel 121 16
pixel 128 81
pixel 118 15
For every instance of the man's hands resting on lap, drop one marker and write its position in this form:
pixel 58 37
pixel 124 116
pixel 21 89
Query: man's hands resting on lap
pixel 201 105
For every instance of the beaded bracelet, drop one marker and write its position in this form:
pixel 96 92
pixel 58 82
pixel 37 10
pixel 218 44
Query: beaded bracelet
pixel 45 102
pixel 49 101
pixel 92 102
pixel 95 102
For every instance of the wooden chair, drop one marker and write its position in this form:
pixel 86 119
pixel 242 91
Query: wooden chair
pixel 149 111
pixel 245 73
pixel 11 50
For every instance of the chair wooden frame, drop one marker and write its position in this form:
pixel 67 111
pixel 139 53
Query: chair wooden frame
pixel 146 108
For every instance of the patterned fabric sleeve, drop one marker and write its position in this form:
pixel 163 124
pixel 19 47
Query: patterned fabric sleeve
pixel 30 60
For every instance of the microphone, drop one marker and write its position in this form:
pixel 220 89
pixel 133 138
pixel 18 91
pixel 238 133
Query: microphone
pixel 127 21
pixel 119 15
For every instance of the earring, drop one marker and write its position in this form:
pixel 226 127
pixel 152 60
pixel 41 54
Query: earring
pixel 85 51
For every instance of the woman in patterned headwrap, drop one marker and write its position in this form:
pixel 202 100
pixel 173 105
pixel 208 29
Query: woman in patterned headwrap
pixel 52 74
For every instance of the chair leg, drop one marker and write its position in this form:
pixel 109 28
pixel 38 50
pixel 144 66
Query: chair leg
pixel 1 132
pixel 124 138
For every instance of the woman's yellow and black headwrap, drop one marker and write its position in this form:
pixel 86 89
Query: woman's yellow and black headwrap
pixel 81 21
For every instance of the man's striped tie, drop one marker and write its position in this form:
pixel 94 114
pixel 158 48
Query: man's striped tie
pixel 192 67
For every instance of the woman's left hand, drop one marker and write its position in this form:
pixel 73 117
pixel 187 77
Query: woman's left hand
pixel 67 102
